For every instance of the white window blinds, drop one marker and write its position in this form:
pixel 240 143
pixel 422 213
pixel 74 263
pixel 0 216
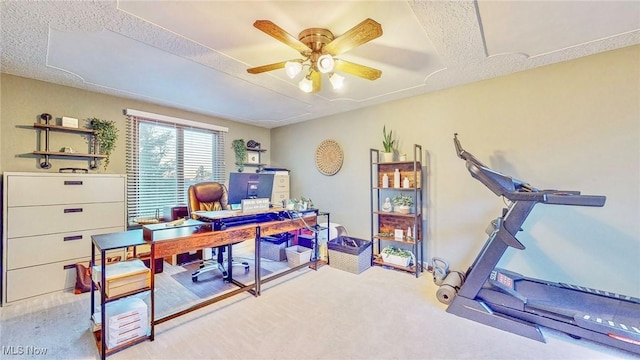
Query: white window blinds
pixel 164 157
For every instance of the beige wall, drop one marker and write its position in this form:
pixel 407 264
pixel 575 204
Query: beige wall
pixel 23 100
pixel 572 126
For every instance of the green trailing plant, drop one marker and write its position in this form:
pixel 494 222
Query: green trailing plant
pixel 394 251
pixel 387 140
pixel 402 200
pixel 106 134
pixel 240 149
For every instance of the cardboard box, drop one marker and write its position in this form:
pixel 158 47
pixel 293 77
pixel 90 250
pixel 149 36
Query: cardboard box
pixel 123 277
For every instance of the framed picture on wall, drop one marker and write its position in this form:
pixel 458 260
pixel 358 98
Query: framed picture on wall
pixel 253 157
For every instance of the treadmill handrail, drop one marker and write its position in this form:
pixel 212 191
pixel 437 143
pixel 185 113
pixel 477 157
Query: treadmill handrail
pixel 565 198
pixel 464 155
pixel 517 190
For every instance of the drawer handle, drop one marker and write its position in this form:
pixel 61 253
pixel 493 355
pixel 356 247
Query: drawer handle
pixel 73 182
pixel 76 237
pixel 70 266
pixel 66 211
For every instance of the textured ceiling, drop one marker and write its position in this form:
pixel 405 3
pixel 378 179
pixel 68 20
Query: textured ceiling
pixel 193 55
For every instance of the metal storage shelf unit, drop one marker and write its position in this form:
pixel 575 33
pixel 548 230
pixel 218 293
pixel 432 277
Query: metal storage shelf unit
pixel 102 244
pixel 384 223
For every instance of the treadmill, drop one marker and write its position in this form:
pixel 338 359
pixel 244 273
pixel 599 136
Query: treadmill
pixel 518 304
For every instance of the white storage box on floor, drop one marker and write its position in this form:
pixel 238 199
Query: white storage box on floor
pixel 297 255
pixel 127 319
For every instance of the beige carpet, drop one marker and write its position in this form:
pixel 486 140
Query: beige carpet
pixel 210 282
pixel 324 314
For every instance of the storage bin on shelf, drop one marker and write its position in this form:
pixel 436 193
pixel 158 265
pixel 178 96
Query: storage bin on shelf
pixel 273 247
pixel 399 257
pixel 297 255
pixel 123 277
pixel 308 241
pixel 126 320
pixel 350 254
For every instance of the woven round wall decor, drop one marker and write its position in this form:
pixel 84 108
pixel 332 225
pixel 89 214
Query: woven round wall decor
pixel 329 157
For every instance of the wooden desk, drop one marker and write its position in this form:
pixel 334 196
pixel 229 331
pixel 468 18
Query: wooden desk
pixel 194 235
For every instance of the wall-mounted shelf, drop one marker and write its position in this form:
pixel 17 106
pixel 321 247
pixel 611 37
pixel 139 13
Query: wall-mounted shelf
pixel 47 153
pixel 254 158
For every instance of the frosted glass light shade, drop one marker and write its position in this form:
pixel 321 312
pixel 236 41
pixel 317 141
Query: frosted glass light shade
pixel 325 63
pixel 306 84
pixel 337 81
pixel 292 68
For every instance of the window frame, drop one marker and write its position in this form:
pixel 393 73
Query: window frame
pixel 134 193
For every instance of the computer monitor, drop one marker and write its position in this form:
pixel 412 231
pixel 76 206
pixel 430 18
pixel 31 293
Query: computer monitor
pixel 249 186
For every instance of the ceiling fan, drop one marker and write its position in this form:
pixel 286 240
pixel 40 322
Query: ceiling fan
pixel 318 47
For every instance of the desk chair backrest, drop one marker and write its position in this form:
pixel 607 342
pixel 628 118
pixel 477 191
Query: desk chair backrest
pixel 208 196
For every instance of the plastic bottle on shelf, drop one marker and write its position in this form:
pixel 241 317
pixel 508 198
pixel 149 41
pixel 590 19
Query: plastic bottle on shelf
pixel 385 180
pixel 409 232
pixel 396 179
pixel 405 182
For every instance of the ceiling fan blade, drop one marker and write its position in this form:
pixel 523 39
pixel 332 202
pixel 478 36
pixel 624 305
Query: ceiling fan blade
pixel 265 68
pixel 279 34
pixel 362 71
pixel 316 78
pixel 356 36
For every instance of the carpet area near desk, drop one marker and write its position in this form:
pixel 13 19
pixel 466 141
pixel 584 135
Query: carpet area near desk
pixel 211 282
pixel 175 290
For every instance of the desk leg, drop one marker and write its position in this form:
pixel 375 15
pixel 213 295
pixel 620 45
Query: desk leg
pixel 257 261
pixel 229 278
pixel 152 265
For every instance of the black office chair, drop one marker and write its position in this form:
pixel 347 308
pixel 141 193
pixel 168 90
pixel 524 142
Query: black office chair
pixel 211 196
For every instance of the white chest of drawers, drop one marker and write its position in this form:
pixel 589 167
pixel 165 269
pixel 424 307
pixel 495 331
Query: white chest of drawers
pixel 47 226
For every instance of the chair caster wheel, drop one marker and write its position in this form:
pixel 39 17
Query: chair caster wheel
pixel 194 278
pixel 246 267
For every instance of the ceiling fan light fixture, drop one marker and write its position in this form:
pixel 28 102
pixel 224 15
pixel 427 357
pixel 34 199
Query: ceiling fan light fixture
pixel 318 46
pixel 337 81
pixel 325 63
pixel 306 84
pixel 292 68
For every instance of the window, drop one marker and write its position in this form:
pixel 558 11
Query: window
pixel 165 156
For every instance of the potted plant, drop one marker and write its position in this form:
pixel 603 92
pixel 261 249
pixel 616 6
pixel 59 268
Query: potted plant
pixel 387 143
pixel 397 256
pixel 106 134
pixel 299 205
pixel 402 203
pixel 240 149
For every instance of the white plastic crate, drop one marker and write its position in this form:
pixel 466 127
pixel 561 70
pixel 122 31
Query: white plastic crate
pixel 297 255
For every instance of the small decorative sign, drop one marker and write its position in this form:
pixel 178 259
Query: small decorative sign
pixel 253 157
pixel 69 122
pixel 255 204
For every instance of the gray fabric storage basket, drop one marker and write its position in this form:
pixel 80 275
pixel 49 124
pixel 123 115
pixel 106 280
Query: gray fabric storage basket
pixel 273 248
pixel 350 254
